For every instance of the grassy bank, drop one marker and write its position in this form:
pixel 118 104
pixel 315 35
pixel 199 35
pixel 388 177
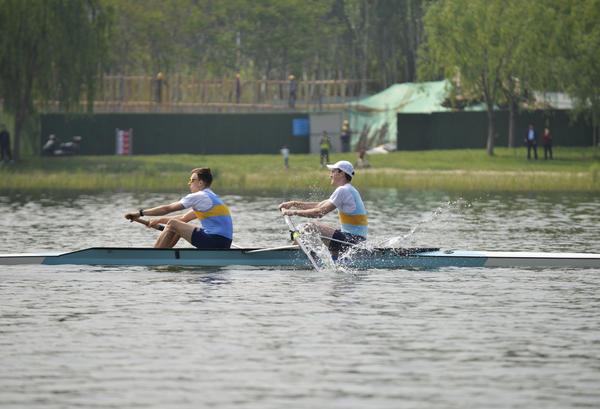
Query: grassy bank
pixel 574 169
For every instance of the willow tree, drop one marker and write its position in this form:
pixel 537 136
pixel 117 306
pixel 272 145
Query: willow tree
pixel 49 50
pixel 476 43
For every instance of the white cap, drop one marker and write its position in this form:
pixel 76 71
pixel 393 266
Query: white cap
pixel 344 166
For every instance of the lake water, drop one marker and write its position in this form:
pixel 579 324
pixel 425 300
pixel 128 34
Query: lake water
pixel 108 337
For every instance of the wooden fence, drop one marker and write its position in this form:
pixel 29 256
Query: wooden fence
pixel 184 93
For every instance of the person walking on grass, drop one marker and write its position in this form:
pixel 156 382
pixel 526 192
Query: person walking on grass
pixel 351 210
pixel 216 226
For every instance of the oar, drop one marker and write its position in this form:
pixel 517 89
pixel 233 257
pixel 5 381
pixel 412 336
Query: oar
pixel 146 223
pixel 295 235
pixel 293 246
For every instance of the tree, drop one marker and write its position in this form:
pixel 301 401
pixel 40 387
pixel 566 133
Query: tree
pixel 398 31
pixel 49 49
pixel 474 42
pixel 532 64
pixel 362 39
pixel 576 58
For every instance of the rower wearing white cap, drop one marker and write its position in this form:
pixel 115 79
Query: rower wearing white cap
pixel 346 199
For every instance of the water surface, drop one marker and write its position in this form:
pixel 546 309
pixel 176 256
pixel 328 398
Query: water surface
pixel 112 337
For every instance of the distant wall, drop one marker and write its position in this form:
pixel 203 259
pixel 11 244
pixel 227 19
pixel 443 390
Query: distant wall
pixel 180 133
pixel 329 122
pixel 456 130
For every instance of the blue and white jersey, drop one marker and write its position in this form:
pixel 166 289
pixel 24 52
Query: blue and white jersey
pixel 351 209
pixel 213 214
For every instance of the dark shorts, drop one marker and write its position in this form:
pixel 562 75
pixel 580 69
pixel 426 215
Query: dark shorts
pixel 202 240
pixel 337 247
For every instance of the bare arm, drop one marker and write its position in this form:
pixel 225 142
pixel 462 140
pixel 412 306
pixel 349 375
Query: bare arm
pixel 186 217
pixel 189 216
pixel 156 211
pixel 320 210
pixel 299 205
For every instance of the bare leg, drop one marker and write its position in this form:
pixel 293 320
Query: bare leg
pixel 166 240
pixel 174 230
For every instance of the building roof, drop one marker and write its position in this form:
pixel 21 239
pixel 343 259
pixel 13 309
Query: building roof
pixel 422 97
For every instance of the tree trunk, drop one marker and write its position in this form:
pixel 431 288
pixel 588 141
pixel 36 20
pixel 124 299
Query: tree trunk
pixel 365 51
pixel 595 136
pixel 20 118
pixel 490 138
pixel 511 124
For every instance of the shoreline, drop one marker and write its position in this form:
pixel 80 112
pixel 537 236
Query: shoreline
pixel 453 171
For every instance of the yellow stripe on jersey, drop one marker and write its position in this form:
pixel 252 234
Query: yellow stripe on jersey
pixel 218 210
pixel 356 220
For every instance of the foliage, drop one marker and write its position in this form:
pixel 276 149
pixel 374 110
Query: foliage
pixel 504 49
pixel 49 49
pixel 315 39
pixel 577 54
pixel 478 43
pixel 498 50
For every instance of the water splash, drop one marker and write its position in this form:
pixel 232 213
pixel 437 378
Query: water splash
pixel 310 237
pixel 364 249
pixel 440 213
pixel 346 258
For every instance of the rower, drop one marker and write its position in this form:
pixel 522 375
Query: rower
pixel 351 210
pixel 216 226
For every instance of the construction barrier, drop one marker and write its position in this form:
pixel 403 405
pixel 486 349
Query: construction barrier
pixel 256 133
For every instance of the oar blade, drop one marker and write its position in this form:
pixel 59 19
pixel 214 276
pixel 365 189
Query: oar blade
pixel 297 237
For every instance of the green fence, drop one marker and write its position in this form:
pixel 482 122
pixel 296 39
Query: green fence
pixel 180 133
pixel 459 130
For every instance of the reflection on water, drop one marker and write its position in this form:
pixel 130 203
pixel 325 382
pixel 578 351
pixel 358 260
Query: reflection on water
pixel 267 338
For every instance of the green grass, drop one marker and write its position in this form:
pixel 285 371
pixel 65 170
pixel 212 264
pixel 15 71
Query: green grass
pixel 574 169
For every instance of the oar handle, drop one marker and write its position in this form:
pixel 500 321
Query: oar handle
pixel 146 223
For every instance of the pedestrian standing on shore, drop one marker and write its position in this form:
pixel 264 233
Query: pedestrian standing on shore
pixel 285 152
pixel 531 141
pixel 547 139
pixel 325 146
pixel 345 136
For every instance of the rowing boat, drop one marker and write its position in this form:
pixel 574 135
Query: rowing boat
pixel 292 256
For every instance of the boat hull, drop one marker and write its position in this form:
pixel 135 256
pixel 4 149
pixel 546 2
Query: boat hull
pixel 385 258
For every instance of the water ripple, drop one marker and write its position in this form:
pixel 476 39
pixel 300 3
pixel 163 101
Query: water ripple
pixel 111 337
